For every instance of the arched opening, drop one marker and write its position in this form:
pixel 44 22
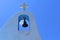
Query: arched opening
pixel 23 22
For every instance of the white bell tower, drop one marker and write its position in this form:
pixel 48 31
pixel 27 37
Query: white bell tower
pixel 22 26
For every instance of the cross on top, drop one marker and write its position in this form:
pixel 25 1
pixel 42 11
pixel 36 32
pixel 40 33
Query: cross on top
pixel 24 6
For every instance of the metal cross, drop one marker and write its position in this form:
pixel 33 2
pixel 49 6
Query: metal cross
pixel 24 6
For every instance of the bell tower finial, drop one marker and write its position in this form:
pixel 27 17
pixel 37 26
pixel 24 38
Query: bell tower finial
pixel 24 6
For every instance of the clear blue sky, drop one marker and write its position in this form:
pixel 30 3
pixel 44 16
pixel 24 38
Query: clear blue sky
pixel 46 12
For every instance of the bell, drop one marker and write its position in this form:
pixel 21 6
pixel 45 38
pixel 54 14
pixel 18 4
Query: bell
pixel 25 23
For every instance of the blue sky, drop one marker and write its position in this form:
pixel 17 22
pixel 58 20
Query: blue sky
pixel 46 12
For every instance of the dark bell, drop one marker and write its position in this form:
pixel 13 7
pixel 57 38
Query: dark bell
pixel 25 23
